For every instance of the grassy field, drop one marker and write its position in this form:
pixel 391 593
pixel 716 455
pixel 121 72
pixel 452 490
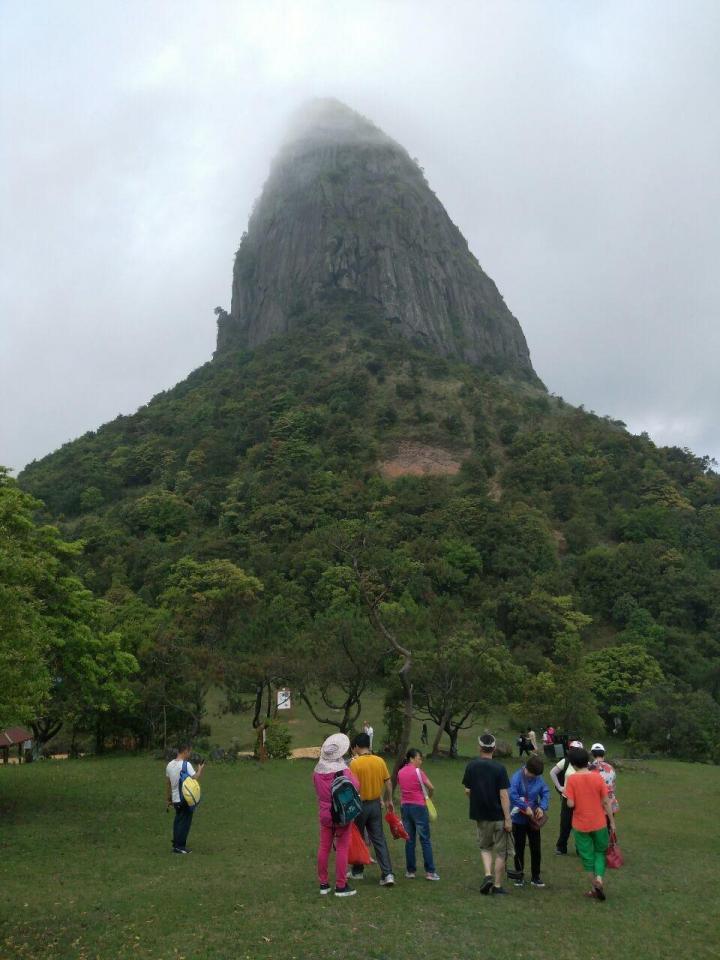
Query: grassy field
pixel 87 872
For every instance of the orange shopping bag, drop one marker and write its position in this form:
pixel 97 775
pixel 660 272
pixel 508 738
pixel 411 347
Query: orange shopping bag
pixel 357 851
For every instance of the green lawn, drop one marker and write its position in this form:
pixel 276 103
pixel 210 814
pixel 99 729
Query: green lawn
pixel 87 872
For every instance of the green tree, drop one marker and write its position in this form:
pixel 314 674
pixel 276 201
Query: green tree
pixel 457 678
pixel 60 663
pixel 677 721
pixel 206 601
pixel 618 675
pixel 562 693
pixel 29 561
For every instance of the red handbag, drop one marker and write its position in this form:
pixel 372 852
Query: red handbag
pixel 614 858
pixel 357 851
pixel 396 826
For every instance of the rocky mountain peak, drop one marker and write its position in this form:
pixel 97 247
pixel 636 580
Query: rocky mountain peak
pixel 346 211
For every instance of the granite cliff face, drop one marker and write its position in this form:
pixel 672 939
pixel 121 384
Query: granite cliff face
pixel 346 209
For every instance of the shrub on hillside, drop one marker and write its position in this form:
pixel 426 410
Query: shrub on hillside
pixel 678 722
pixel 277 741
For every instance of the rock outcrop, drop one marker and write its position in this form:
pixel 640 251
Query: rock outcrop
pixel 345 208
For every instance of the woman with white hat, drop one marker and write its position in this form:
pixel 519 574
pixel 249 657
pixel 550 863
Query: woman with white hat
pixel 330 764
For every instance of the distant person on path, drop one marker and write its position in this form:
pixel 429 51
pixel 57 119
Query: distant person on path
pixel 606 771
pixel 488 787
pixel 530 800
pixel 375 783
pixel 592 813
pixel 370 732
pixel 532 737
pixel 174 798
pixel 330 764
pixel 548 739
pixel 560 774
pixel 415 813
pixel 424 734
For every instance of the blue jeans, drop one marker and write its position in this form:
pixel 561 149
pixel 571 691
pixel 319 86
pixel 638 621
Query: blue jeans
pixel 417 823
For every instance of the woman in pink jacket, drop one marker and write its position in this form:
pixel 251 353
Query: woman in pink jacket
pixel 332 762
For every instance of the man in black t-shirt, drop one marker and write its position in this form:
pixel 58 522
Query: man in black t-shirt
pixel 488 787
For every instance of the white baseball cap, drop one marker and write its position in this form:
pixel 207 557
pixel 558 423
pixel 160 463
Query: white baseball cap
pixel 576 744
pixel 597 748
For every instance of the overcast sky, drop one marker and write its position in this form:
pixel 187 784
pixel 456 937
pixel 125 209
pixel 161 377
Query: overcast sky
pixel 575 144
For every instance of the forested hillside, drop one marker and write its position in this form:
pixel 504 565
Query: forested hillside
pixel 243 525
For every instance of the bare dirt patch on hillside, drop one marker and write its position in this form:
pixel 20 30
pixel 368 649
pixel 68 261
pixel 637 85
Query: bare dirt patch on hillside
pixel 419 459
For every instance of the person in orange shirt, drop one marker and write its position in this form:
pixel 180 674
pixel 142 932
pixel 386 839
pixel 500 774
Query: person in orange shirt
pixel 375 786
pixel 587 796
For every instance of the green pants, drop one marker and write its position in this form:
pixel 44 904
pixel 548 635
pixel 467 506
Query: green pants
pixel 592 847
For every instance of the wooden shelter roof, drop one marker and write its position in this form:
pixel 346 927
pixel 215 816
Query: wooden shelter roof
pixel 14 735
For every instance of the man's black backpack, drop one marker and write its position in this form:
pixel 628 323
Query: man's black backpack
pixel 345 803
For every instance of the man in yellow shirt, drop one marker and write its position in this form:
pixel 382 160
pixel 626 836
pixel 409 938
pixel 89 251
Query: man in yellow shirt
pixel 375 783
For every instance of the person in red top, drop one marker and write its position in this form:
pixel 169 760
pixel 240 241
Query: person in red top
pixel 587 796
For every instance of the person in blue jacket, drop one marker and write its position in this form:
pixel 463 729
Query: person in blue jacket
pixel 529 802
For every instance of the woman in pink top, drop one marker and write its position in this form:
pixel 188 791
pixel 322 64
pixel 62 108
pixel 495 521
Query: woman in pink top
pixel 332 762
pixel 414 787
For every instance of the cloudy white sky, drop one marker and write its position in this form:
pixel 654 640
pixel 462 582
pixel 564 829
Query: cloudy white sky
pixel 576 145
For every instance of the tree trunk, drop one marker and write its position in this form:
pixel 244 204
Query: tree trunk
pixel 99 737
pixel 259 690
pixel 44 730
pixel 407 720
pixel 261 749
pixel 377 623
pixel 438 736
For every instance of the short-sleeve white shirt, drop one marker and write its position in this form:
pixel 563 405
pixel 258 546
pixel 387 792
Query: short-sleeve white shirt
pixel 172 772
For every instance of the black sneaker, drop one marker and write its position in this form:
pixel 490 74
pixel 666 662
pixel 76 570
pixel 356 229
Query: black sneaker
pixel 486 885
pixel 499 891
pixel 346 891
pixel 537 882
pixel 180 850
pixel 599 892
pixel 560 853
pixel 324 889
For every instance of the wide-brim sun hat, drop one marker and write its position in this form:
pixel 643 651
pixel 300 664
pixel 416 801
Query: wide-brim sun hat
pixel 332 754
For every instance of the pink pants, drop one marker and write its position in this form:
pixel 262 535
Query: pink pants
pixel 342 843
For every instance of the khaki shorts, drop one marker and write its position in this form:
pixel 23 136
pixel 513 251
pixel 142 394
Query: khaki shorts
pixel 492 837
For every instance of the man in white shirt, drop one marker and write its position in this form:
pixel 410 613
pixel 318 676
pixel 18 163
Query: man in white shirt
pixel 369 731
pixel 174 798
pixel 559 776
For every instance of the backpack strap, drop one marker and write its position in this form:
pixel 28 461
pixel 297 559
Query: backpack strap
pixel 422 783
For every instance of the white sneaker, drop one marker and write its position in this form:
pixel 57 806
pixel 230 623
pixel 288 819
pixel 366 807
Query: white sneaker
pixel 409 875
pixel 432 876
pixel 388 881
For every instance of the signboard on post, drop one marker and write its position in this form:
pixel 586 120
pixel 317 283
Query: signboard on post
pixel 283 699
